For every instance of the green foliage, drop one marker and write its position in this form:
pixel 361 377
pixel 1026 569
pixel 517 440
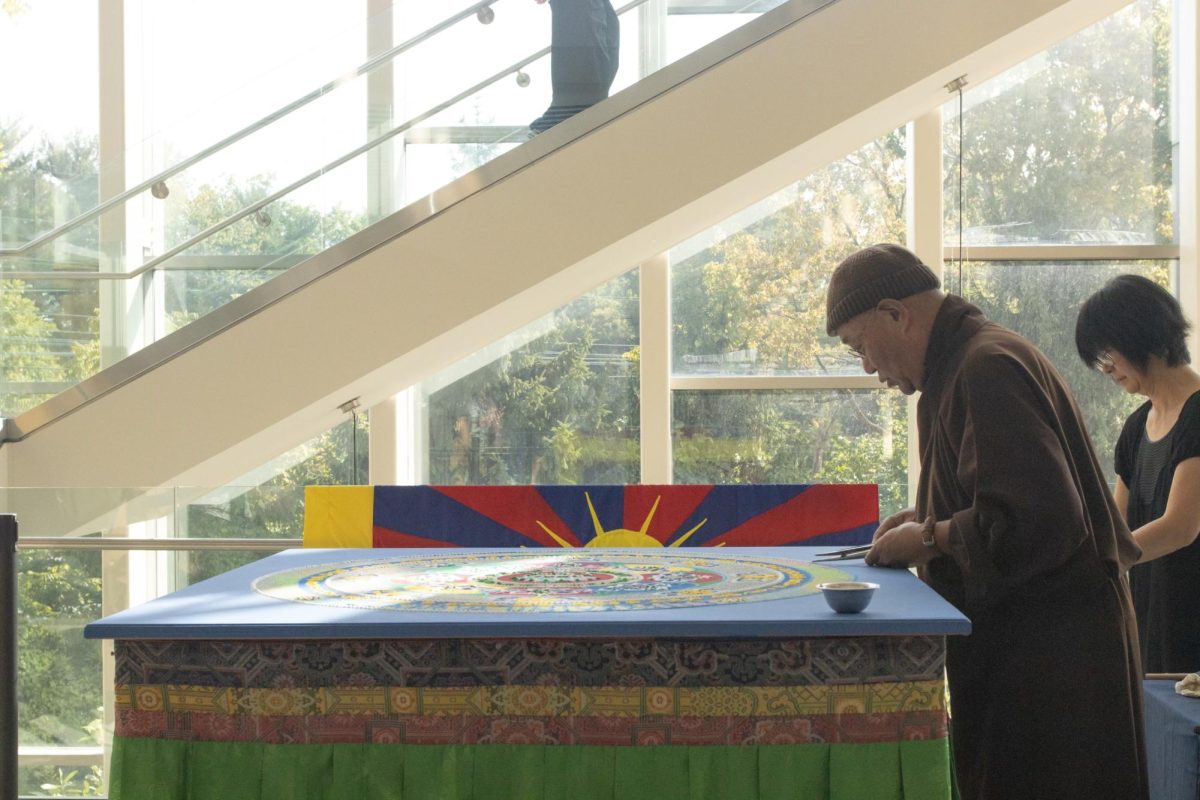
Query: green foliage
pixel 43 183
pixel 1080 150
pixel 265 239
pixel 275 509
pixel 279 228
pixel 763 288
pixel 85 352
pixel 24 357
pixel 73 784
pixel 59 782
pixel 1042 301
pixel 42 322
pixel 59 671
pixel 762 291
pixel 837 436
pixel 561 409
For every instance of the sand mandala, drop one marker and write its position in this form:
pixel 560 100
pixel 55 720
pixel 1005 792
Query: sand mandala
pixel 596 580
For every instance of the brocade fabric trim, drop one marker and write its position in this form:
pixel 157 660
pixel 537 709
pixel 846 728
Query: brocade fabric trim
pixel 557 662
pixel 542 701
pixel 598 730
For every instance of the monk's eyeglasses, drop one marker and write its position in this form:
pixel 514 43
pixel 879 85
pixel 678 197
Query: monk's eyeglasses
pixel 857 350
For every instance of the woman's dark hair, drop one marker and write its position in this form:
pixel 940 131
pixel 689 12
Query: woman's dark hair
pixel 1137 318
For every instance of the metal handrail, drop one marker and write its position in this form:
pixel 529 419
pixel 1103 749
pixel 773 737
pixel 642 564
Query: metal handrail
pixel 1002 252
pixel 144 543
pixel 337 162
pixel 253 127
pixel 335 257
pixel 320 171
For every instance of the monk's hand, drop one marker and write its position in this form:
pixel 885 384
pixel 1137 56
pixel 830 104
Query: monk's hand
pixel 899 518
pixel 899 546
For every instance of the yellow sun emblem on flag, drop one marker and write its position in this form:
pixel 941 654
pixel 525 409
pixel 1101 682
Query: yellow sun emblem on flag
pixel 622 537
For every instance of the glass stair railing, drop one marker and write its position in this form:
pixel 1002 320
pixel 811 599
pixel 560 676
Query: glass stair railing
pixel 116 274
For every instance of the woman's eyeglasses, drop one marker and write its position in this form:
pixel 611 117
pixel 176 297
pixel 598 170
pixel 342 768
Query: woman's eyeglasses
pixel 1104 362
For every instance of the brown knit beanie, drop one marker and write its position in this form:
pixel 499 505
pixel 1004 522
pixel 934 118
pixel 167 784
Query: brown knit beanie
pixel 878 272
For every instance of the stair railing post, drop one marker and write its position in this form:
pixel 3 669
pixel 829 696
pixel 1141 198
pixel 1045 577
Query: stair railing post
pixel 8 656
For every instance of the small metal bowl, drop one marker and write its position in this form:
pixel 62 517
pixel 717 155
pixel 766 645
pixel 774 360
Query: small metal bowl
pixel 848 597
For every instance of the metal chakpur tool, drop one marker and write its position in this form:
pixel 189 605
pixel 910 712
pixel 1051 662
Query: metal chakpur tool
pixel 842 555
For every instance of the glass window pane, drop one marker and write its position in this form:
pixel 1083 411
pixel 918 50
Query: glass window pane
pixel 74 775
pixel 1041 301
pixel 687 33
pixel 49 118
pixel 430 166
pixel 1074 145
pixel 748 296
pixel 556 402
pixel 63 730
pixel 50 338
pixel 58 672
pixel 834 436
pixel 268 502
pixel 189 100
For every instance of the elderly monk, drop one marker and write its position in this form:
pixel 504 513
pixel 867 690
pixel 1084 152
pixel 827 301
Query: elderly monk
pixel 1014 525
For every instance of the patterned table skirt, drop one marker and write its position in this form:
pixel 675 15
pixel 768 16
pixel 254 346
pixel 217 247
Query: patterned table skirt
pixel 532 718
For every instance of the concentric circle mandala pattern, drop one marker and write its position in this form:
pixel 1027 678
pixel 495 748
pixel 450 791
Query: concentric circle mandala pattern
pixel 597 580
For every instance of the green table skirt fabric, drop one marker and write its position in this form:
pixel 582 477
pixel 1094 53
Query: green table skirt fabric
pixel 166 769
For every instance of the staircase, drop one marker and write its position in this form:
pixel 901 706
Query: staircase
pixel 534 228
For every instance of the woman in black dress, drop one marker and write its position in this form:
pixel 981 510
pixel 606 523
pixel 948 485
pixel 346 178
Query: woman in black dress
pixel 1134 331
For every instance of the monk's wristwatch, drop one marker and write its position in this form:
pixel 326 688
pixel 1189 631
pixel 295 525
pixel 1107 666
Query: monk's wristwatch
pixel 927 537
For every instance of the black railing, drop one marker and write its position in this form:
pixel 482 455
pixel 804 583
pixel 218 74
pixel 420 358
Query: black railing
pixel 8 656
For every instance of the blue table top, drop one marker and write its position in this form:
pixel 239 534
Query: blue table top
pixel 1172 742
pixel 227 607
pixel 1182 709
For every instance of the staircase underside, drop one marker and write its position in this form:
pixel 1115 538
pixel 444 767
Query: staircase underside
pixel 613 187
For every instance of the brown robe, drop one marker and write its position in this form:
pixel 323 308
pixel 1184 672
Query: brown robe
pixel 1045 694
